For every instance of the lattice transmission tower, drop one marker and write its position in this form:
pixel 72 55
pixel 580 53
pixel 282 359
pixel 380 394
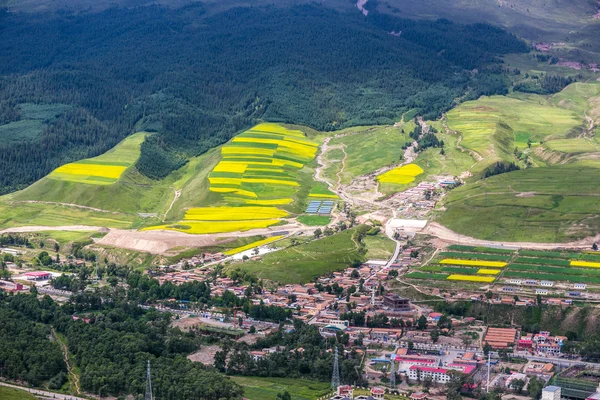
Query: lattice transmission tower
pixel 335 376
pixel 148 394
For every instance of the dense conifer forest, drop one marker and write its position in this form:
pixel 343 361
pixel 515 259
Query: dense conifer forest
pixel 198 79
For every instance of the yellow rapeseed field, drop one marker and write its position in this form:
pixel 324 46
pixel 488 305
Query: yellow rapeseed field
pixel 586 264
pixel 471 278
pixel 234 213
pixel 401 175
pixel 105 171
pixel 477 263
pixel 267 202
pixel 227 166
pixel 485 271
pixel 252 245
pixel 208 227
pixel 275 128
pixel 247 150
pixel 324 196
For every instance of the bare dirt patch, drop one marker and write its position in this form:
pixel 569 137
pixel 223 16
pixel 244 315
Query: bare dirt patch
pixel 526 194
pixel 206 355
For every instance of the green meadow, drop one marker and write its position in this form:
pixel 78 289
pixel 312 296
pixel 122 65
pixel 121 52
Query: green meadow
pixel 256 388
pixel 304 262
pixel 549 204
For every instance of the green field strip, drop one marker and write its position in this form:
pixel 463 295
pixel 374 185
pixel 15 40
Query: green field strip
pixel 551 277
pixel 556 270
pixel 474 256
pixel 226 175
pixel 478 249
pixel 588 257
pixel 422 275
pixel 98 162
pixel 254 145
pixel 100 179
pixel 546 254
pixel 432 268
pixel 544 261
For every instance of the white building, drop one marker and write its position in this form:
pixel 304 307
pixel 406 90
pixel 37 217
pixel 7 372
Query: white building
pixel 580 286
pixel 541 291
pixel 546 283
pixel 514 281
pixel 551 393
pixel 437 375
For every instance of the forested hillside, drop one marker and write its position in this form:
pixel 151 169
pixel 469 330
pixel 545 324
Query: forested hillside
pixel 198 79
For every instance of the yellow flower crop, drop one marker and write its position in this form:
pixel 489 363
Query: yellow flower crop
pixel 225 166
pixel 105 171
pixel 401 175
pixel 252 245
pixel 484 271
pixel 324 196
pixel 586 264
pixel 207 227
pixel 477 263
pixel 471 278
pixel 233 213
pixel 268 202
pixel 247 150
pixel 272 181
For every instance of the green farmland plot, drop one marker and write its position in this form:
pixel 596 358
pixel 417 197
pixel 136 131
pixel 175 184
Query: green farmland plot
pixel 545 254
pixel 423 275
pixel 492 250
pixel 474 256
pixel 555 270
pixel 543 261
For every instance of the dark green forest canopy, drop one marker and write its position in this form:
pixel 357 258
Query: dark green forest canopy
pixel 200 79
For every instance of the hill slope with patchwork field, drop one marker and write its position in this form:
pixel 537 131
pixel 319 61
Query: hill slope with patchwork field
pixel 554 140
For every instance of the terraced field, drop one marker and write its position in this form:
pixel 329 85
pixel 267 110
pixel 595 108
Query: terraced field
pixel 256 178
pixel 105 169
pixel 565 267
pixel 494 126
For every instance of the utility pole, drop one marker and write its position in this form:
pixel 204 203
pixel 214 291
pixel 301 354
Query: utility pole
pixel 488 371
pixel 335 377
pixel 148 394
pixel 392 376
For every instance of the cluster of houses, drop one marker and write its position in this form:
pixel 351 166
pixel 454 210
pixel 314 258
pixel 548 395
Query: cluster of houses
pixel 542 343
pixel 539 286
pixel 413 203
pixel 311 300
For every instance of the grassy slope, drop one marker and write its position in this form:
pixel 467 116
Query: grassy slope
pixel 494 126
pixel 256 388
pixel 565 206
pixel 302 263
pixel 132 194
pixel 368 149
pixel 379 247
pixel 14 394
pixel 453 162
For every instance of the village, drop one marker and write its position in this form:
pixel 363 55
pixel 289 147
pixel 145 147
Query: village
pixel 408 348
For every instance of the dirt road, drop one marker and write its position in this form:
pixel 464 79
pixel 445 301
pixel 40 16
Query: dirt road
pixel 26 229
pixel 44 393
pixel 445 234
